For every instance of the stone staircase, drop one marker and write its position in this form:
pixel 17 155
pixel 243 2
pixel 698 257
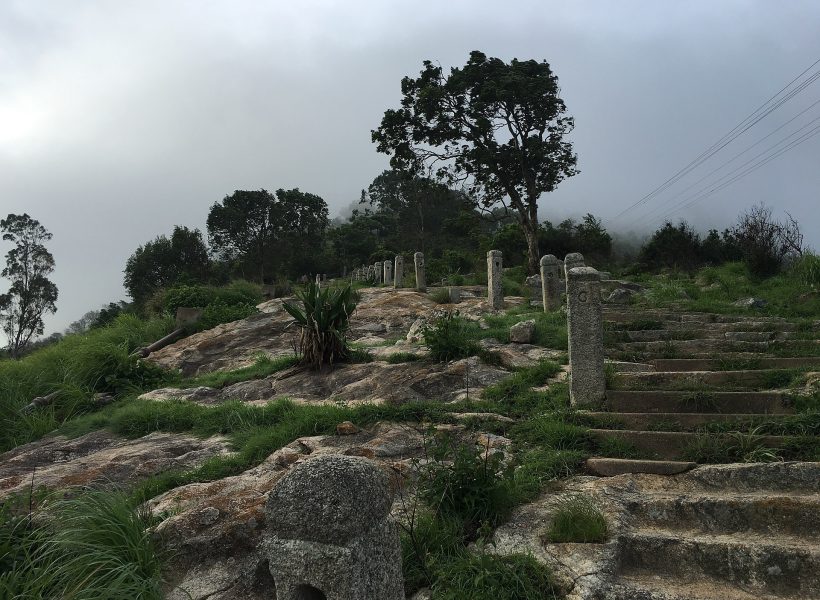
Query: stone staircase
pixel 735 532
pixel 688 371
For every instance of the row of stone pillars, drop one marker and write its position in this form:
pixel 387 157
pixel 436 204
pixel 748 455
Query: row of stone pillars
pixel 392 272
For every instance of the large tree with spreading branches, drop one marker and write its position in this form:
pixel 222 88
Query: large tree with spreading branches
pixel 496 128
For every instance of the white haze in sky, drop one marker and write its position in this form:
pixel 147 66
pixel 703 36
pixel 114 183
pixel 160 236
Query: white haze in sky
pixel 119 120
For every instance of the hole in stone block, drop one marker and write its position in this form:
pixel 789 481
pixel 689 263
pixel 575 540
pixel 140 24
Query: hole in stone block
pixel 308 592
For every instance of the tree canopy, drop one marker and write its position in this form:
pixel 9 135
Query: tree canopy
pixel 165 261
pixel 496 128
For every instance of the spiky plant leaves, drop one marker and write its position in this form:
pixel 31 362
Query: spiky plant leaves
pixel 323 318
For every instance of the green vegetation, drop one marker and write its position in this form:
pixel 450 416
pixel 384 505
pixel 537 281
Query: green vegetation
pixel 577 519
pixel 93 546
pixel 447 338
pixel 403 357
pixel 263 366
pixel 440 295
pixel 76 367
pixel 323 320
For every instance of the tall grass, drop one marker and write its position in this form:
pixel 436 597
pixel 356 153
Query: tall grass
pixel 76 367
pixel 94 546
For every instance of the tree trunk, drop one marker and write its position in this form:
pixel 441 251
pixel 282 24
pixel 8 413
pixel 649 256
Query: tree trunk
pixel 531 234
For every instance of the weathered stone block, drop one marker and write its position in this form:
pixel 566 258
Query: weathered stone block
pixel 523 332
pixel 331 533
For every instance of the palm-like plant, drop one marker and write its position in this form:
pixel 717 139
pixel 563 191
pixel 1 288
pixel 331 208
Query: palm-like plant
pixel 323 319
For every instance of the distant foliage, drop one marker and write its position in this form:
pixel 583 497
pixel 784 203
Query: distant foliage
pixel 32 294
pixel 232 302
pixel 680 247
pixel 164 262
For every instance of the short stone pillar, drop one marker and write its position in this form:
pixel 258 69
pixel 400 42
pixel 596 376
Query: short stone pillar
pixel 330 532
pixel 572 260
pixel 454 294
pixel 550 283
pixel 421 278
pixel 377 273
pixel 318 279
pixel 398 273
pixel 585 329
pixel 388 272
pixel 495 290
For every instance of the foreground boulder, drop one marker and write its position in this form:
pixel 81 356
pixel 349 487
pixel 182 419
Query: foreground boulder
pixel 331 535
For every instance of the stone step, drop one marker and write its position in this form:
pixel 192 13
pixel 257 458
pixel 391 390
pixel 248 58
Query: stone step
pixel 670 445
pixel 655 335
pixel 656 587
pixel 642 323
pixel 776 478
pixel 674 421
pixel 727 512
pixel 638 356
pixel 683 348
pixel 756 563
pixel 654 401
pixel 610 467
pixel 707 364
pixel 741 379
pixel 617 314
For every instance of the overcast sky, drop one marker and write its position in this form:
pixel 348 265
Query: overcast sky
pixel 119 120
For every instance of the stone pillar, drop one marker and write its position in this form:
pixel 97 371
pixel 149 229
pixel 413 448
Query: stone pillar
pixel 572 260
pixel 585 330
pixel 377 273
pixel 455 294
pixel 318 279
pixel 330 534
pixel 388 272
pixel 495 291
pixel 421 279
pixel 550 288
pixel 398 273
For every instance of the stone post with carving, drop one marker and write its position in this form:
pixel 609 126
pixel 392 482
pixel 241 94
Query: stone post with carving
pixel 388 272
pixel 550 283
pixel 398 272
pixel 495 290
pixel 421 278
pixel 585 330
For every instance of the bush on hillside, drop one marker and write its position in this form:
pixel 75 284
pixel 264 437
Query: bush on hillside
pixel 767 244
pixel 448 339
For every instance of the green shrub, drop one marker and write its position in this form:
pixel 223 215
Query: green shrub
pixel 440 295
pixel 218 313
pixel 578 520
pixel 323 320
pixel 468 483
pixel 448 338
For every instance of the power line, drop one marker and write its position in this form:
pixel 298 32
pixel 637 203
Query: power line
pixel 659 209
pixel 804 138
pixel 752 119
